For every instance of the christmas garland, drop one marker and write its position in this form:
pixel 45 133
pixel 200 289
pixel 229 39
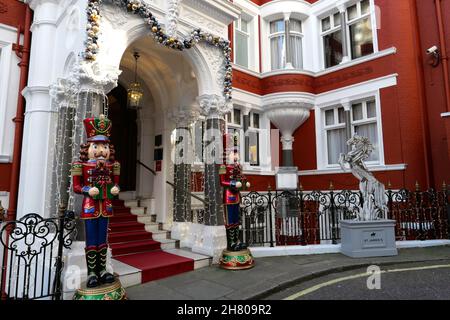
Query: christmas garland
pixel 140 8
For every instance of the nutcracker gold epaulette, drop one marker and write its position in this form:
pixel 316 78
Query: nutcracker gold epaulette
pixel 77 169
pixel 222 169
pixel 116 168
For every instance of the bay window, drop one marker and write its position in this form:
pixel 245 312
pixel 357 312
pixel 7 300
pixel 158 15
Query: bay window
pixel 348 34
pixel 286 47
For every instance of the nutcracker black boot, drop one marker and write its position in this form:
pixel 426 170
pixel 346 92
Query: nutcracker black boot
pixel 229 238
pixel 104 276
pixel 91 262
pixel 239 245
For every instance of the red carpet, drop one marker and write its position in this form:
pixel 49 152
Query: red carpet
pixel 132 244
pixel 157 264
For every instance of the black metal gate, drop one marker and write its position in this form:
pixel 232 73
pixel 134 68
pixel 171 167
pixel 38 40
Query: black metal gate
pixel 31 250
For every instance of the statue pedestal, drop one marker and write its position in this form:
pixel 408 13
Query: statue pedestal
pixel 237 260
pixel 110 291
pixel 360 239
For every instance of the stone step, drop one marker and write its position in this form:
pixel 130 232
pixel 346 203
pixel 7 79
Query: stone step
pixel 153 227
pixel 145 220
pixel 160 235
pixel 137 210
pixel 131 203
pixel 167 244
pixel 149 204
pixel 200 260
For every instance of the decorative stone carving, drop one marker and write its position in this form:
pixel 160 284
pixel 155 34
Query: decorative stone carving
pixel 373 191
pixel 212 105
pixel 184 116
pixel 173 12
pixel 197 20
pixel 96 77
pixel 115 15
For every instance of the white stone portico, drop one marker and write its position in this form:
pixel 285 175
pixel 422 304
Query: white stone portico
pixel 172 81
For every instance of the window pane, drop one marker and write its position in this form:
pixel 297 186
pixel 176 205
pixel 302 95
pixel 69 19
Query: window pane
pixel 253 154
pixel 329 117
pixel 326 25
pixel 371 109
pixel 295 44
pixel 361 38
pixel 277 52
pixel 352 12
pixel 341 115
pixel 256 120
pixel 365 6
pixel 228 117
pixel 357 112
pixel 370 131
pixel 337 19
pixel 295 25
pixel 237 116
pixel 336 144
pixel 241 49
pixel 277 26
pixel 332 46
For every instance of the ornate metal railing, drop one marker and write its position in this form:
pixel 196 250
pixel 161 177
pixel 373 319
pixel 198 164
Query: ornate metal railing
pixel 31 249
pixel 302 218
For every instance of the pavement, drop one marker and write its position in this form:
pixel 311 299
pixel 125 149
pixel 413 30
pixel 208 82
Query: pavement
pixel 273 275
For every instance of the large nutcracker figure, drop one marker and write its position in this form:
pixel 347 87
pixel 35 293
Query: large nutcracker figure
pixel 237 256
pixel 96 176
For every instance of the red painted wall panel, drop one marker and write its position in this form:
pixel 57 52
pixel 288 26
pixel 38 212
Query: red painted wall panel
pixel 12 13
pixel 5 176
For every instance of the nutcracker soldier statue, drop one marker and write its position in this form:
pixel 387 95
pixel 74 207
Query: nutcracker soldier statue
pixel 96 177
pixel 236 256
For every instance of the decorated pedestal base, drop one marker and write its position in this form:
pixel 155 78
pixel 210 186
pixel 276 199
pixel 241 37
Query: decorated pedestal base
pixel 237 260
pixel 361 239
pixel 110 291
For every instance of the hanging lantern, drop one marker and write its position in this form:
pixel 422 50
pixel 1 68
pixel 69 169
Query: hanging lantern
pixel 135 92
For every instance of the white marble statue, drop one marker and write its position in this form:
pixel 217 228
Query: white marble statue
pixel 373 191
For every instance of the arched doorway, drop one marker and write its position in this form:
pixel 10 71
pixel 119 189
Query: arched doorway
pixel 124 136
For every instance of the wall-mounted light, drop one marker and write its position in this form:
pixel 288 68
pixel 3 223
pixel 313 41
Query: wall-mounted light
pixel 435 55
pixel 135 92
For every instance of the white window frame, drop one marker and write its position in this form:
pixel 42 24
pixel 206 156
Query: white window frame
pixel 237 29
pixel 332 29
pixel 251 128
pixel 321 132
pixel 275 35
pixel 348 23
pixel 358 18
pixel 297 34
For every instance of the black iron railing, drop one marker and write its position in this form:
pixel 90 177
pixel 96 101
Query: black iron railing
pixel 303 218
pixel 31 249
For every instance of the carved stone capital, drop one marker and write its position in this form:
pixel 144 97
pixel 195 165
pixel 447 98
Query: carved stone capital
pixel 96 77
pixel 212 105
pixel 183 117
pixel 287 142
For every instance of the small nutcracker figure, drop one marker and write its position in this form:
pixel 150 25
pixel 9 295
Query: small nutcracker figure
pixel 236 256
pixel 96 176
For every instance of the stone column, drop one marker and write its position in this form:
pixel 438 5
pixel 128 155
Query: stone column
pixel 36 159
pixel 212 237
pixel 183 160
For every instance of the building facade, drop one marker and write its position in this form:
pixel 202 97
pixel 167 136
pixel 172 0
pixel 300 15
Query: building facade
pixel 307 75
